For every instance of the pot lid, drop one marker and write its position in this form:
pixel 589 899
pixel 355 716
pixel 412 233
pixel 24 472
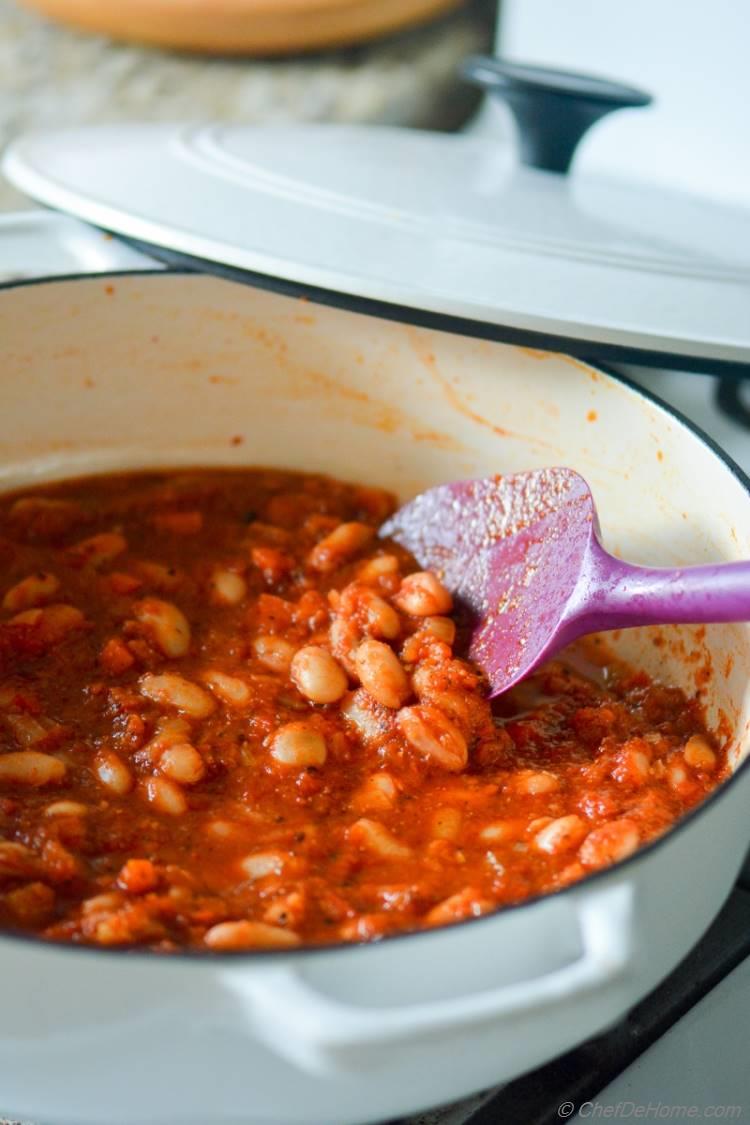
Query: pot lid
pixel 455 231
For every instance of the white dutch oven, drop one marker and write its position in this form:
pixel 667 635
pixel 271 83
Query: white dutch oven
pixel 169 369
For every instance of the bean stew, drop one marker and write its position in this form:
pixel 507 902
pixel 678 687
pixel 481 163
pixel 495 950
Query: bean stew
pixel 231 717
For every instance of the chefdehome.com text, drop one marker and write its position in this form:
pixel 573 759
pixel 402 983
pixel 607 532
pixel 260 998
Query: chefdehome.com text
pixel 650 1111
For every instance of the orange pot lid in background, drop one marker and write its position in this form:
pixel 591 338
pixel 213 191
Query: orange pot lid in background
pixel 243 27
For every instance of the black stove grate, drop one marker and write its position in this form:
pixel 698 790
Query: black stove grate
pixel 733 400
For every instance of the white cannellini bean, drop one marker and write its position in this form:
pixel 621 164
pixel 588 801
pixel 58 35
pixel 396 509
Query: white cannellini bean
pixel 698 753
pixel 382 674
pixel 230 689
pixel 676 773
pixel 165 796
pixel 113 772
pixel 166 623
pixel 500 832
pixel 30 592
pixel 99 549
pixel 28 507
pixel 29 767
pixel 169 732
pixel 640 764
pixel 534 782
pixel 609 843
pixel 371 571
pixel 102 904
pixel 467 903
pixel 66 808
pixel 423 595
pixel 633 762
pixel 223 829
pixel 26 728
pixel 339 545
pixel 260 864
pixel 443 628
pixel 300 745
pixel 52 622
pixel 227 587
pixel 376 838
pixel 538 823
pixel 249 935
pixel 317 675
pixel 560 835
pixel 382 620
pixel 175 691
pixel 359 709
pixel 182 763
pixel 434 736
pixel 16 859
pixel 426 683
pixel 274 653
pixel 231 830
pixel 377 794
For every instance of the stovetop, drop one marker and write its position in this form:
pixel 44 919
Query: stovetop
pixel 640 1069
pixel 682 1053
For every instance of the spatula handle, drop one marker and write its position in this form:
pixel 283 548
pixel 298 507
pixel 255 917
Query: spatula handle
pixel 617 595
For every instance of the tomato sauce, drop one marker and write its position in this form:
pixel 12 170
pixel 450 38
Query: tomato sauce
pixel 231 717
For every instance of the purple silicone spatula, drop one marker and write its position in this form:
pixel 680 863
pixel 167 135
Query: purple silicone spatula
pixel 523 553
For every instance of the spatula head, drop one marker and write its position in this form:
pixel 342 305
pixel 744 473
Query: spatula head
pixel 514 551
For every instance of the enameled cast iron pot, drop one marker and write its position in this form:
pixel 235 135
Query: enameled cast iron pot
pixel 171 369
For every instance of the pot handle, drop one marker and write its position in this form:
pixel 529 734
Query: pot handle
pixel 323 1035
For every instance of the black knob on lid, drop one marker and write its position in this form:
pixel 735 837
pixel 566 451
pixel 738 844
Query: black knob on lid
pixel 553 108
